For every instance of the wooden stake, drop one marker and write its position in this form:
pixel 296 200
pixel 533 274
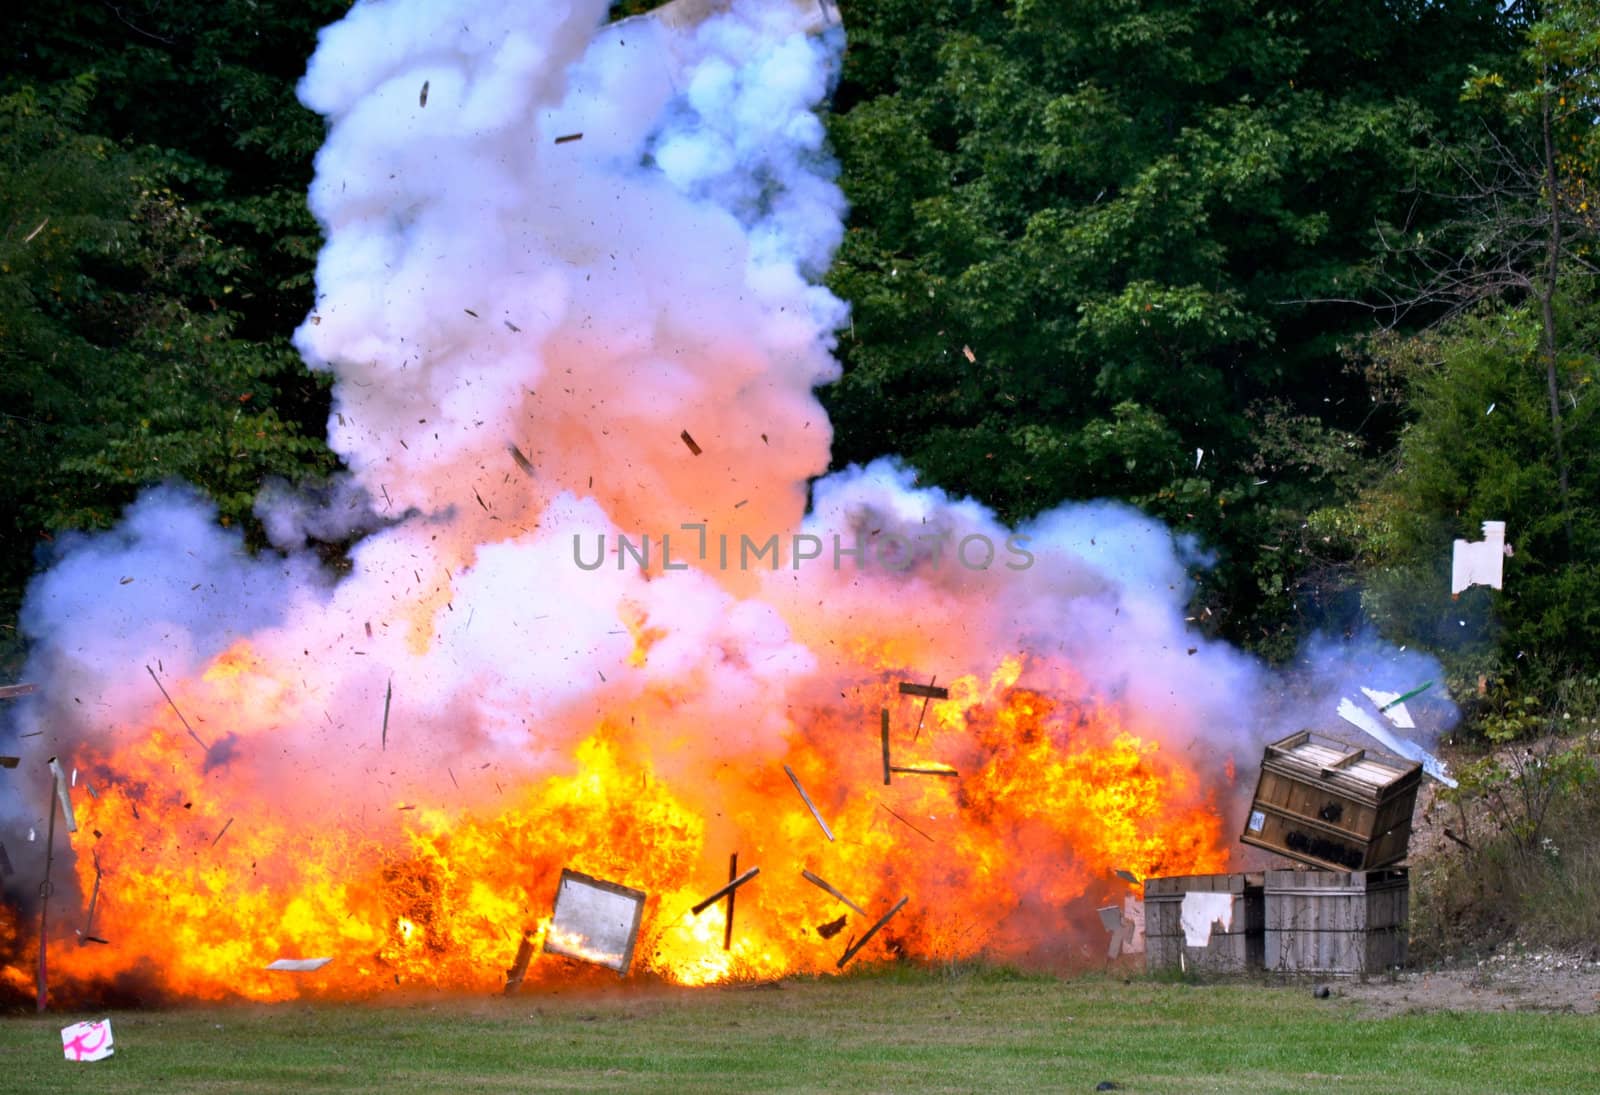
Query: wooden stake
pixel 815 881
pixel 924 771
pixel 927 691
pixel 865 939
pixel 220 835
pixel 44 899
pixel 727 928
pixel 519 965
pixel 794 779
pixel 884 733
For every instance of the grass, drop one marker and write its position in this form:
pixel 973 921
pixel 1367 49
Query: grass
pixel 895 1030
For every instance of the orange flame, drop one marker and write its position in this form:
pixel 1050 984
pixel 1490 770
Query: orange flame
pixel 207 877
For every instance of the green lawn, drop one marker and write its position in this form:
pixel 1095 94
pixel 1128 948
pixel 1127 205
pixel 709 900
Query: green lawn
pixel 880 1031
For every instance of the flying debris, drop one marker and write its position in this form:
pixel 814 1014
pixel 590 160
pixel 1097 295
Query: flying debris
pixel 595 921
pixel 794 779
pixel 855 948
pixel 1350 712
pixel 297 965
pixel 89 1041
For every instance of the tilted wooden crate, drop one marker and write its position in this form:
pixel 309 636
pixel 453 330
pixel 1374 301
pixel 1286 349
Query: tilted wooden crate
pixel 1330 805
pixel 1336 922
pixel 1235 950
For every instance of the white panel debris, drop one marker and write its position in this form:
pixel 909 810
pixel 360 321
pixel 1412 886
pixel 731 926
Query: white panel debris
pixel 299 965
pixel 1201 910
pixel 1480 564
pixel 595 920
pixel 1396 714
pixel 63 795
pixel 1349 712
pixel 87 1041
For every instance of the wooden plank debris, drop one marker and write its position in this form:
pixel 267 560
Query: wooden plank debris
pixel 15 691
pixel 884 734
pixel 832 927
pixel 521 461
pixel 519 964
pixel 923 714
pixel 422 98
pixel 908 824
pixel 388 694
pixel 794 779
pixel 872 931
pixel 10 762
pixel 909 771
pixel 567 138
pixel 815 881
pixel 726 891
pixel 6 869
pixel 175 710
pixel 687 440
pixel 222 834
pixel 1127 876
pixel 727 927
pixel 87 934
pixel 927 691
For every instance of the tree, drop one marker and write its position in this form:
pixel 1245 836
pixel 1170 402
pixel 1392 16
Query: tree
pixel 1079 231
pixel 121 368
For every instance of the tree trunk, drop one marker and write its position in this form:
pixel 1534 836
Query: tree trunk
pixel 1547 299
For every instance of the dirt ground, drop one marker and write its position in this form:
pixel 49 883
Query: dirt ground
pixel 1505 982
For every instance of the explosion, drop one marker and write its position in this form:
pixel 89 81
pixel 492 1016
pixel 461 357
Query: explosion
pixel 606 599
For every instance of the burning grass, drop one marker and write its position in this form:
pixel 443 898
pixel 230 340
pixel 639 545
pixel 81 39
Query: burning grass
pixel 955 1027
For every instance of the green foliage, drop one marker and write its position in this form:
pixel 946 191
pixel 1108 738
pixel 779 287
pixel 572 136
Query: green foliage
pixel 1081 227
pixel 121 366
pixel 1478 448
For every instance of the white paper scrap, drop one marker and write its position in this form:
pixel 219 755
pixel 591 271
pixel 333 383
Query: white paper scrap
pixel 1349 712
pixel 1396 714
pixel 299 965
pixel 1202 909
pixel 87 1041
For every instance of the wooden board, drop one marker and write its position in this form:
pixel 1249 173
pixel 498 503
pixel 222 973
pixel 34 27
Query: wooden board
pixel 1237 950
pixel 1336 922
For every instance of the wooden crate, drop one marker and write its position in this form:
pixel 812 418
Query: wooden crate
pixel 1334 922
pixel 1330 805
pixel 1236 950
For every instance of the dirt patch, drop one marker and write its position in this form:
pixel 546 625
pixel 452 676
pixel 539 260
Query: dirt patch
pixel 1505 982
